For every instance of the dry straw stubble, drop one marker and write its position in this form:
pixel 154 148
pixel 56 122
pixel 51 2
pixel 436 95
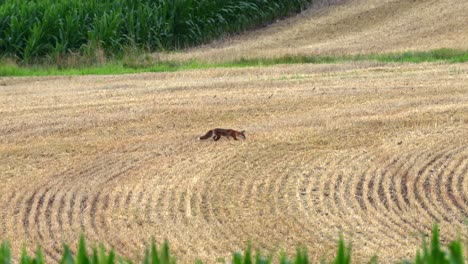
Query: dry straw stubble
pixel 377 152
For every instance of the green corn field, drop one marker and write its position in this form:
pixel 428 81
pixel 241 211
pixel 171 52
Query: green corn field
pixel 35 29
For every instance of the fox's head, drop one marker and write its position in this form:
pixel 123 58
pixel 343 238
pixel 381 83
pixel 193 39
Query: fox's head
pixel 242 134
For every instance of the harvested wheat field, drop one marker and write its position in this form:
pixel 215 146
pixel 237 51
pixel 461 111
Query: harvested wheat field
pixel 377 152
pixel 356 27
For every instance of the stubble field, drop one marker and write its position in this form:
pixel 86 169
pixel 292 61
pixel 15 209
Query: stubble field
pixel 377 152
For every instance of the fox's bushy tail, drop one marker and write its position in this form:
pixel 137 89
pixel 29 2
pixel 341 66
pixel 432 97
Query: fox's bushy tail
pixel 207 135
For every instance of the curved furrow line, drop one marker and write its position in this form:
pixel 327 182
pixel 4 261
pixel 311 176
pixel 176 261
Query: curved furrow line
pixel 71 205
pixel 433 160
pixel 359 222
pixel 203 205
pixel 148 206
pixel 364 204
pixel 63 183
pixel 135 222
pixel 38 212
pixel 154 215
pixel 188 203
pixel 253 200
pixel 397 198
pixel 331 183
pixel 220 185
pixel 205 209
pixel 118 224
pixel 117 199
pixel 182 216
pixel 104 228
pixel 381 191
pixel 72 210
pixel 106 175
pixel 59 188
pixel 385 212
pixel 140 195
pixel 261 196
pixel 60 212
pixel 314 200
pixel 162 212
pixel 64 216
pixel 83 207
pixel 35 210
pixel 359 193
pixel 337 201
pixel 280 190
pixel 247 187
pixel 46 203
pixel 291 220
pixel 128 218
pixel 375 212
pixel 54 241
pixel 17 226
pixel 327 187
pixel 158 206
pixel 223 210
pixel 420 184
pixel 371 188
pixel 123 204
pixel 92 213
pixel 163 207
pixel 462 184
pixel 342 198
pixel 419 221
pixel 304 190
pixel 403 195
pixel 353 204
pixel 432 185
pixel 5 209
pixel 444 200
pixel 106 169
pixel 139 208
pixel 309 195
pixel 27 211
pixel 202 238
pixel 455 193
pixel 173 220
pixel 128 199
pixel 114 229
pixel 195 200
pixel 170 206
pixel 287 208
pixel 344 218
pixel 319 188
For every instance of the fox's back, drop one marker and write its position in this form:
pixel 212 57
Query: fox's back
pixel 223 132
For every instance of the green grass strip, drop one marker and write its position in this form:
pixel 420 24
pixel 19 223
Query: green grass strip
pixel 119 67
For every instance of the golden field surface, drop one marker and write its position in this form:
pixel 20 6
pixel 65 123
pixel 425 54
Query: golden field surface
pixel 356 27
pixel 377 152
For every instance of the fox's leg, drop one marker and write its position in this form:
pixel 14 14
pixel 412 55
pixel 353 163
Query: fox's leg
pixel 216 137
pixel 234 136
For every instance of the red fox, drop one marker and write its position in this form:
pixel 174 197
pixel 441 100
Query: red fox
pixel 218 132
